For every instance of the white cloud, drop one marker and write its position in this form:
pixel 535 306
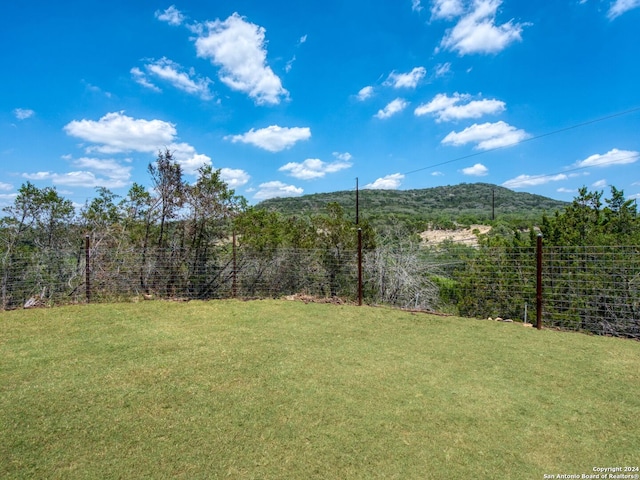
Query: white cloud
pixel 415 5
pixel 406 80
pixel 273 138
pixel 392 108
pixel 365 92
pixel 108 168
pixel 303 39
pixel 445 108
pixel 344 156
pixel 140 78
pixel 174 74
pixel 388 182
pixel 612 157
pixel 5 187
pixel 289 65
pixel 447 9
pixel 276 189
pixel 439 103
pixel 618 7
pixel 487 136
pixel 532 181
pixel 7 199
pixel 313 168
pixel 599 183
pixel 234 177
pixel 442 69
pixel 23 113
pixel 238 47
pixel 185 155
pixel 478 170
pixel 476 31
pixel 171 15
pixel 91 173
pixel 565 190
pixel 117 133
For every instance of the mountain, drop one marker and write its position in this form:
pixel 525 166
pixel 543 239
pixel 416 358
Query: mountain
pixel 464 203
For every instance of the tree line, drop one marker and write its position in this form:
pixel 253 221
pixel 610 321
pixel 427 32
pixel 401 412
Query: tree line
pixel 174 239
pixel 179 233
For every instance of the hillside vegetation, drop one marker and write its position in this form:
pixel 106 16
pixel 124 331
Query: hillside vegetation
pixel 438 206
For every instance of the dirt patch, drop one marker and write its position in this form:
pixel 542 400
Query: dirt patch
pixel 302 297
pixel 465 236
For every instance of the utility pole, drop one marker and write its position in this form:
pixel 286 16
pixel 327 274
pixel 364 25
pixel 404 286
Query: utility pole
pixel 493 204
pixel 357 203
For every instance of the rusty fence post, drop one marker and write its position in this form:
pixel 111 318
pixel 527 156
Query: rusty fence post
pixel 87 268
pixel 539 282
pixel 359 267
pixel 234 280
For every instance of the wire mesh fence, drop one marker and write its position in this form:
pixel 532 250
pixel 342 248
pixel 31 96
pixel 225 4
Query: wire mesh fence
pixel 594 289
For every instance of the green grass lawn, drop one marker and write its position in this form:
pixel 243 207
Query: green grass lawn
pixel 276 389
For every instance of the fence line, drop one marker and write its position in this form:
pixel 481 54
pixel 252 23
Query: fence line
pixel 595 289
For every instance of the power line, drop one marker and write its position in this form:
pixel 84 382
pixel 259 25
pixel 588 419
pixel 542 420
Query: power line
pixel 537 137
pixel 583 167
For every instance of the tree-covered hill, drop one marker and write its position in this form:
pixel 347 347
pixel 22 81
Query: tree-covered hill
pixel 464 203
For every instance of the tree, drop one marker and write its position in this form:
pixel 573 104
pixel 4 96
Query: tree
pixel 166 176
pixel 337 240
pixel 35 232
pixel 211 205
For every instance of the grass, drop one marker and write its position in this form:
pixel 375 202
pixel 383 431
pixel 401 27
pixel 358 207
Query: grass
pixel 275 389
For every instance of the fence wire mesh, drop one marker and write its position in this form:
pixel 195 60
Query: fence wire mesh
pixel 595 289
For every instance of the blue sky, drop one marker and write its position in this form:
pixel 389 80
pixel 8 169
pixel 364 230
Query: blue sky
pixel 292 98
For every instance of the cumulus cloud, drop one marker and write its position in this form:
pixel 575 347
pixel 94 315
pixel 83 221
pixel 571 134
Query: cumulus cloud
pixel 117 133
pixel 364 93
pixel 476 30
pixel 313 168
pixel 171 15
pixel 478 170
pixel 234 177
pixel 190 160
pixel 416 6
pixel 91 173
pixel 175 75
pixel 276 189
pixel 406 80
pixel 23 113
pixel 487 136
pixel 273 138
pixel 618 7
pixel 388 182
pixel 533 180
pixel 5 187
pixel 238 47
pixel 612 157
pixel 446 108
pixel 396 106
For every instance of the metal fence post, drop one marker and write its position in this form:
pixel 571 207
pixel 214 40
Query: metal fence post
pixel 87 269
pixel 234 284
pixel 539 282
pixel 359 267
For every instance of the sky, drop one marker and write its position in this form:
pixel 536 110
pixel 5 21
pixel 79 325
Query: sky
pixel 294 98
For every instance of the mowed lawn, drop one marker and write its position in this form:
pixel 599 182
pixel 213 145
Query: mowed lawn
pixel 277 389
